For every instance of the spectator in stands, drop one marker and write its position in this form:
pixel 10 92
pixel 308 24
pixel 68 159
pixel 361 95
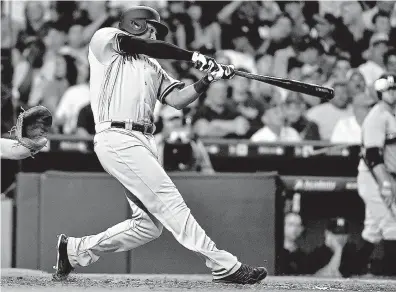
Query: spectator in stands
pixel 85 122
pixel 10 30
pixel 276 37
pixel 34 24
pixel 202 34
pixel 75 44
pixel 356 83
pixel 275 128
pixel 292 259
pixel 338 256
pixel 172 120
pixel 217 117
pixel 381 22
pixel 268 11
pixel 236 58
pixel 294 110
pixel 374 67
pixel 348 130
pixel 71 103
pixel 309 52
pixel 327 29
pixel 176 18
pixel 63 12
pixel 97 16
pixel 326 115
pixel 85 128
pixel 190 111
pixel 357 36
pixel 240 18
pixel 340 70
pixel 38 73
pixel 65 76
pixel 381 7
pixel 188 152
pixel 295 10
pixel 294 69
pixel 390 61
pixel 247 106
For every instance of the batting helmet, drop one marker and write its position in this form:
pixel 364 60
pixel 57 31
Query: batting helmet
pixel 134 21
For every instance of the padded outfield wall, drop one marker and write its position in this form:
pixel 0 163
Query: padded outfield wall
pixel 236 210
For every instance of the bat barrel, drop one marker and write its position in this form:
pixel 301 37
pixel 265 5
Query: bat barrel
pixel 322 92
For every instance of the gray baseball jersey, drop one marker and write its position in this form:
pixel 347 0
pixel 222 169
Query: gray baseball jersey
pixel 124 87
pixel 379 130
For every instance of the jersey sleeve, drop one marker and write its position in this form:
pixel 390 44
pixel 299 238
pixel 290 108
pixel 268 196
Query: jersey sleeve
pixel 167 85
pixel 104 44
pixel 374 130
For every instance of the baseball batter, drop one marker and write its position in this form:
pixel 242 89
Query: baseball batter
pixel 125 83
pixel 377 171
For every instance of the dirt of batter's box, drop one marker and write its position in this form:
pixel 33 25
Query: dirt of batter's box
pixel 28 280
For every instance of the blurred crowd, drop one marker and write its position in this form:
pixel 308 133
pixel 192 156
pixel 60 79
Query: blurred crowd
pixel 337 252
pixel 344 45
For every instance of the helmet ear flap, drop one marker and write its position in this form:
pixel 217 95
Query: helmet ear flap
pixel 135 26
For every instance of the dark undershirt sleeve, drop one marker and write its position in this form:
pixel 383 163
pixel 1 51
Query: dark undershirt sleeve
pixel 152 48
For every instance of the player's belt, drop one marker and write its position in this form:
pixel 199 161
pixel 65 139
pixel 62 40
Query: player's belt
pixel 131 126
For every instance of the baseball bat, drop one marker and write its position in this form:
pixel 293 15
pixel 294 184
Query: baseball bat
pixel 322 92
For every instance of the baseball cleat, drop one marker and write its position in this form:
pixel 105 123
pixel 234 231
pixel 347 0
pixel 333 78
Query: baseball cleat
pixel 63 267
pixel 244 275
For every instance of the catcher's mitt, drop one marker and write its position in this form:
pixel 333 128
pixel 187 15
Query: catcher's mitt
pixel 32 128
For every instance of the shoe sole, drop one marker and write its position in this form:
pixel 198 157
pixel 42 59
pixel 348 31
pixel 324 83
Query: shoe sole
pixel 57 249
pixel 56 276
pixel 260 277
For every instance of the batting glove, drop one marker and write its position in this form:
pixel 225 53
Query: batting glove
pixel 216 74
pixel 229 71
pixel 203 63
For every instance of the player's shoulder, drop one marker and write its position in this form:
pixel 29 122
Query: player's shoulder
pixel 105 34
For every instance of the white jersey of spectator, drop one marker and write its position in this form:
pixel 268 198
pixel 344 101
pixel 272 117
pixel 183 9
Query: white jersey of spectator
pixel 287 134
pixel 371 72
pixel 72 101
pixel 347 131
pixel 326 116
pixel 124 90
pixel 281 60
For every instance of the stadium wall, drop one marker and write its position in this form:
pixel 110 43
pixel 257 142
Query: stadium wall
pixel 236 210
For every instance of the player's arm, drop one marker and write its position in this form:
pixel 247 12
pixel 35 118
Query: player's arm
pixel 108 42
pixel 11 149
pixel 152 48
pixel 373 143
pixel 161 50
pixel 180 98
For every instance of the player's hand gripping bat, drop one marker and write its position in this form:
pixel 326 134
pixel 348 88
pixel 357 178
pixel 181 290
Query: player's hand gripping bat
pixel 324 93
